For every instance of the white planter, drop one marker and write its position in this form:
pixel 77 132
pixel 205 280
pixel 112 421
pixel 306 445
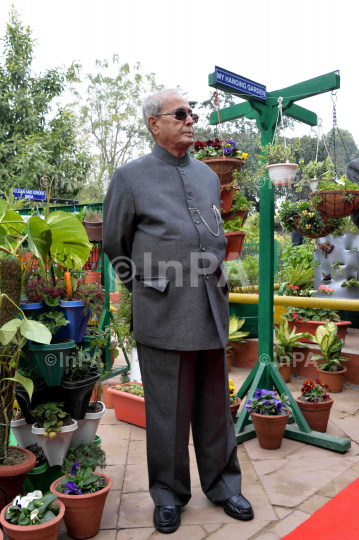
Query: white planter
pixel 55 449
pixel 87 428
pixel 314 183
pixel 135 373
pixel 282 174
pixel 22 432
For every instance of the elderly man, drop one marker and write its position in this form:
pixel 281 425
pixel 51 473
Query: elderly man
pixel 163 234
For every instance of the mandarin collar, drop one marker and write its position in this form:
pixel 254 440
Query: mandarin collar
pixel 166 156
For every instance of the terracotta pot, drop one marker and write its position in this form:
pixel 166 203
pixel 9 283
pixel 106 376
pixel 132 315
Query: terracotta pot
pixel 12 476
pixel 285 370
pixel 92 276
pixel 334 205
pixel 227 194
pixel 128 407
pixel 234 408
pixel 228 216
pixel 94 230
pixel 235 241
pixel 269 429
pixel 311 327
pixel 327 229
pixel 83 512
pixel 115 297
pixel 229 359
pixel 224 167
pixel 107 397
pixel 45 531
pixel 316 414
pixel 334 379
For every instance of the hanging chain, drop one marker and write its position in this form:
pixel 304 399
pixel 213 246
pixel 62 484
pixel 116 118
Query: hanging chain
pixel 335 126
pixel 216 213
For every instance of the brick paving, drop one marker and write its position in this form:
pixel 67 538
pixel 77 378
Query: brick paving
pixel 285 486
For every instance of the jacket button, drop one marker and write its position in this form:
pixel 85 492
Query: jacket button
pixel 183 172
pixel 189 196
pixel 203 248
pixel 197 222
pixel 206 276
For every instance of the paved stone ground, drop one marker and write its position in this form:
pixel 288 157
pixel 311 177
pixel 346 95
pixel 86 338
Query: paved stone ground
pixel 285 486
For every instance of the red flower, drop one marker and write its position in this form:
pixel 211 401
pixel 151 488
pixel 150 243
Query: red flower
pixel 198 145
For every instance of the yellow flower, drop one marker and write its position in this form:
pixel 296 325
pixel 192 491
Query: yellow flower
pixel 308 226
pixel 231 382
pixel 15 406
pixel 311 214
pixel 305 212
pixel 244 156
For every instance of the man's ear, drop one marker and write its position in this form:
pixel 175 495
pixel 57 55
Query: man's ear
pixel 153 123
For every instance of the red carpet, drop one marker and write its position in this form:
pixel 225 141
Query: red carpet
pixel 336 520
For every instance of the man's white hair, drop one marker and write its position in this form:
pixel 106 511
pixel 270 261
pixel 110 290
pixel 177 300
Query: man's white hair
pixel 153 104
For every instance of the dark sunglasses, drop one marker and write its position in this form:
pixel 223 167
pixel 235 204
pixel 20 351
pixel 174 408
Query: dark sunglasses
pixel 180 115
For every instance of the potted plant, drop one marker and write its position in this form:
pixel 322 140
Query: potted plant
pixel 234 336
pixel 234 401
pixel 52 358
pixel 33 516
pixel 93 225
pixel 87 427
pixel 54 429
pixel 316 171
pixel 315 404
pixel 78 383
pixel 307 320
pixel 269 413
pixel 223 157
pixel 129 402
pixel 227 194
pixel 330 368
pixel 303 216
pixel 278 160
pixel 240 208
pixel 351 283
pixel 87 455
pixel 336 199
pixel 286 339
pixel 84 493
pixel 235 238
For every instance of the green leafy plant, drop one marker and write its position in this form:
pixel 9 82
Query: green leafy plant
pixel 268 402
pixel 321 170
pixel 79 367
pixel 243 274
pixel 251 228
pixel 81 481
pixel 298 256
pixel 233 225
pixel 286 340
pixel 275 153
pixel 122 319
pixel 53 321
pixel 240 203
pixel 310 219
pixel 339 185
pixel 337 265
pixel 133 388
pixel 300 278
pixel 330 346
pixel 234 335
pixel 311 314
pixel 350 283
pixel 50 417
pixel 87 455
pixel 314 393
pixel 32 509
pixel 93 216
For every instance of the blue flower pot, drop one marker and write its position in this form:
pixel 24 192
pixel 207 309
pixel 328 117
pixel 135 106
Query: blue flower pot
pixel 75 311
pixel 32 310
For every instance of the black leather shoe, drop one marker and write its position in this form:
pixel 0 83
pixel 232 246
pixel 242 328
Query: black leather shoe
pixel 238 508
pixel 167 519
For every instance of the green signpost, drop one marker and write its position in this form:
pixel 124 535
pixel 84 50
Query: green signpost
pixel 262 106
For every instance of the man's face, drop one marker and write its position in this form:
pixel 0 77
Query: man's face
pixel 174 135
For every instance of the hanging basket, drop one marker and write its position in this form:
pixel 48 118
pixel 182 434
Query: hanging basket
pixel 334 205
pixel 282 174
pixel 224 167
pixel 327 229
pixel 227 194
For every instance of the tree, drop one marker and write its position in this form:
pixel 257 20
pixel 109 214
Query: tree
pixel 111 120
pixel 33 145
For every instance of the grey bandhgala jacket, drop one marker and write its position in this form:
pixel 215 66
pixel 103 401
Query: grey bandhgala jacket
pixel 150 220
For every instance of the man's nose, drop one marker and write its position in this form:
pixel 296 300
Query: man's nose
pixel 189 120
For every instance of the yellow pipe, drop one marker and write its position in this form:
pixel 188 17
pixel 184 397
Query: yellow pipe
pixel 298 301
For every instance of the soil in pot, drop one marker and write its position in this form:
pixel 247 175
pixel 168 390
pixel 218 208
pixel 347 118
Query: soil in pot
pixel 83 512
pixel 12 475
pixel 77 395
pixel 234 408
pixel 45 531
pixel 285 371
pixel 269 429
pixel 316 414
pixel 334 379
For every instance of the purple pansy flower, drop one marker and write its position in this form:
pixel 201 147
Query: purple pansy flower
pixel 227 151
pixel 74 468
pixel 72 488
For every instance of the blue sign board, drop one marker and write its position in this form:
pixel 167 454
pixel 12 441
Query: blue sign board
pixel 32 194
pixel 239 84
